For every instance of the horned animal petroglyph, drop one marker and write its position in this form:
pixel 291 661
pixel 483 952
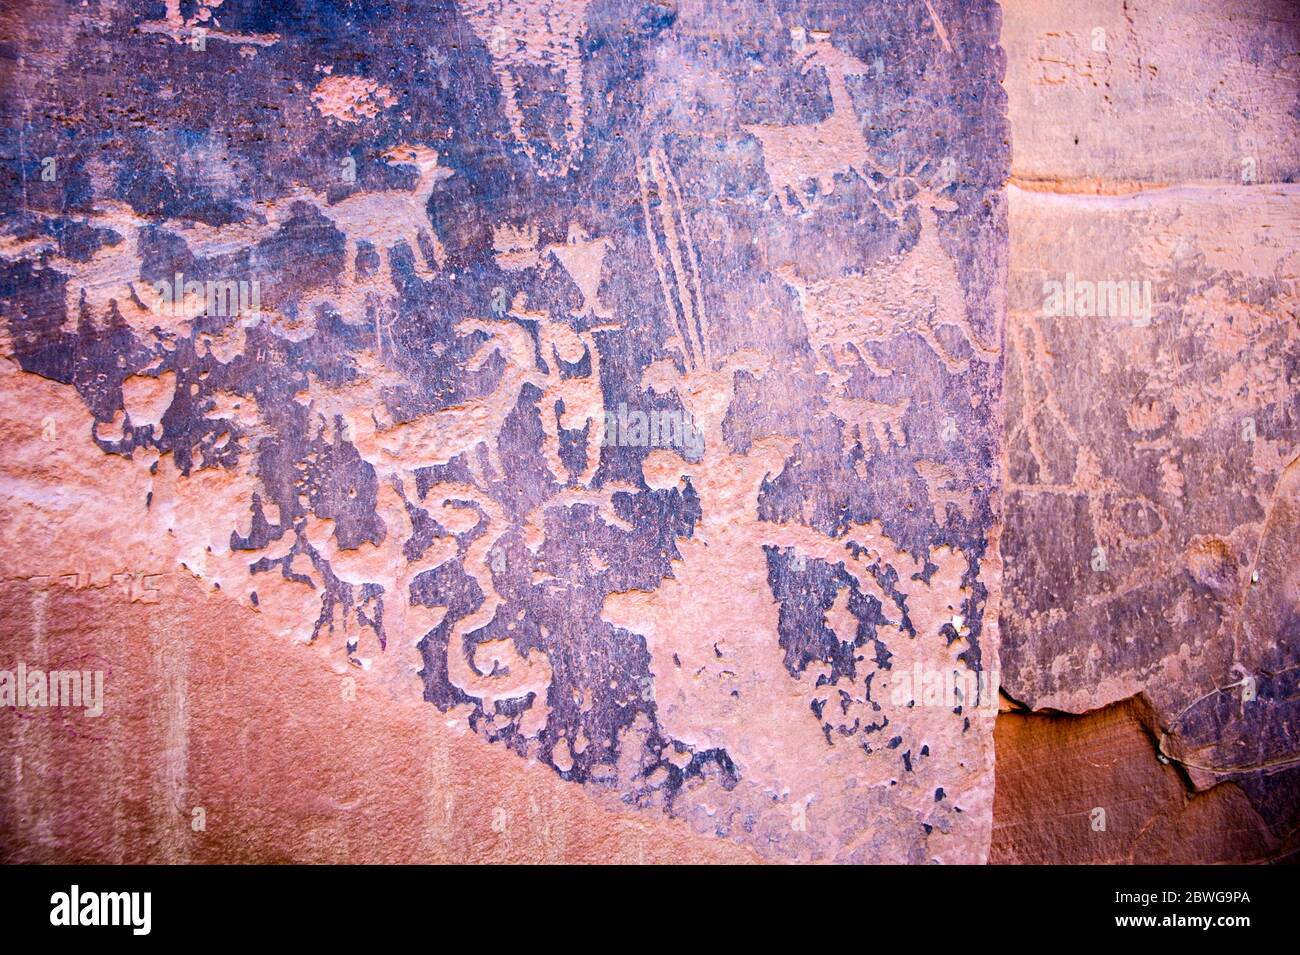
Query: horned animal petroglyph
pixel 915 292
pixel 817 152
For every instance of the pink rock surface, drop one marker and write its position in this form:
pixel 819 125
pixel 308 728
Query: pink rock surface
pixel 382 575
pixel 1153 421
pixel 1107 95
pixel 613 389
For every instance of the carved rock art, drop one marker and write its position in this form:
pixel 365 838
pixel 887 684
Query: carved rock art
pixel 204 25
pixel 531 44
pixel 1167 472
pixel 434 455
pixel 817 152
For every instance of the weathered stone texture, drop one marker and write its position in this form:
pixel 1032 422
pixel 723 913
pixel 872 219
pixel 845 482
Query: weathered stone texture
pixel 1106 93
pixel 1143 460
pixel 1092 790
pixel 1150 466
pixel 482 230
pixel 367 575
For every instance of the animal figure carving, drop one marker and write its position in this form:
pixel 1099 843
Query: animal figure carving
pixel 915 292
pixel 818 152
pixel 440 436
pixel 384 219
pixel 712 646
pixel 464 510
pixel 109 277
pixel 387 218
pixel 201 27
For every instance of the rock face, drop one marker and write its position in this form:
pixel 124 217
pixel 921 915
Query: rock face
pixel 574 430
pixel 1152 424
pixel 1108 95
pixel 1146 501
pixel 1092 790
pixel 555 430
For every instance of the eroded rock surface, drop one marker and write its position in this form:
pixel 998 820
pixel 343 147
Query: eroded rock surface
pixel 620 382
pixel 1153 423
pixel 1107 95
pixel 1092 790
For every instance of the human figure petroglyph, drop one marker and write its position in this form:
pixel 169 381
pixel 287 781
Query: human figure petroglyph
pixel 579 399
pixel 817 152
pixel 576 403
pixel 573 403
pixel 526 38
pixel 583 257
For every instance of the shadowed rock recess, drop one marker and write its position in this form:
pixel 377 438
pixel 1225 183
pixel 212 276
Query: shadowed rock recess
pixel 572 430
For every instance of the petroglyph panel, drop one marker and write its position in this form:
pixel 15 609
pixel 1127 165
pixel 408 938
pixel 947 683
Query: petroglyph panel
pixel 1151 473
pixel 1110 94
pixel 618 384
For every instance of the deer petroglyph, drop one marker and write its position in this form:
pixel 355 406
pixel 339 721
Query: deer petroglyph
pixel 917 291
pixel 817 152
